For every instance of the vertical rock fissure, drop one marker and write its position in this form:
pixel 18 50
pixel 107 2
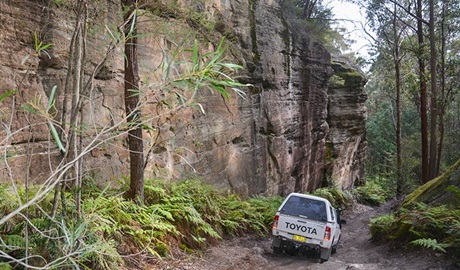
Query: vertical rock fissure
pixel 252 20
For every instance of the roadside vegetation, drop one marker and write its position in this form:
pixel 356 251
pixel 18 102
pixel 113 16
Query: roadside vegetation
pixel 429 217
pixel 86 226
pixel 113 231
pixel 433 227
pixel 187 214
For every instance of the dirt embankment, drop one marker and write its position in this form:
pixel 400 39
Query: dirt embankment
pixel 355 251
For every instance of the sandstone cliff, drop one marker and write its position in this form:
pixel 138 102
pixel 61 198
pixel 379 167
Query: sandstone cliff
pixel 298 128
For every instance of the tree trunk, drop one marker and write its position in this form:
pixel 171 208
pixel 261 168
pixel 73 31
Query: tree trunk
pixel 423 95
pixel 74 89
pixel 443 88
pixel 433 103
pixel 135 142
pixel 396 58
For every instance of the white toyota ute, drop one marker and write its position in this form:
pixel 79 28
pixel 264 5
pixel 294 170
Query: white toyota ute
pixel 306 222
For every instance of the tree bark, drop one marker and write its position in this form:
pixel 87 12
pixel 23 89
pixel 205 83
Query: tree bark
pixel 396 58
pixel 433 103
pixel 423 95
pixel 74 89
pixel 135 142
pixel 443 87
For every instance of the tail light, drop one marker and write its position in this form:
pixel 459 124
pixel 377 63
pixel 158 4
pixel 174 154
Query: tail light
pixel 275 222
pixel 327 233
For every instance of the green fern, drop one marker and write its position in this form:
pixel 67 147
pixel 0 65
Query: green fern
pixel 371 193
pixel 5 266
pixel 13 242
pixel 107 256
pixel 325 193
pixel 430 243
pixel 435 227
pixel 382 227
pixel 337 197
pixel 188 213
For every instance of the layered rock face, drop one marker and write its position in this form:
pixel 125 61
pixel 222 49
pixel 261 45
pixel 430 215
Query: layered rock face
pixel 295 130
pixel 346 115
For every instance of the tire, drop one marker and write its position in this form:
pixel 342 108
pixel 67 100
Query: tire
pixel 290 250
pixel 277 250
pixel 325 253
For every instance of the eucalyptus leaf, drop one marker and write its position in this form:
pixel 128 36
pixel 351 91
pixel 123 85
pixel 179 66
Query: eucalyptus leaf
pixel 7 94
pixel 56 136
pixel 51 98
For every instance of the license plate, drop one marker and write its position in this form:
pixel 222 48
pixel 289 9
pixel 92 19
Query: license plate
pixel 299 238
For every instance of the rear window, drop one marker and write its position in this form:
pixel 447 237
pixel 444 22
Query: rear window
pixel 304 207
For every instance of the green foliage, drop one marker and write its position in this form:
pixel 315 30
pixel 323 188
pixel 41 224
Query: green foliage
pixel 316 17
pixel 266 206
pixel 439 222
pixel 201 19
pixel 429 244
pixel 434 227
pixel 382 96
pixel 194 14
pixel 454 190
pixel 371 193
pixel 380 135
pixel 316 13
pixel 50 123
pixel 337 197
pixel 59 242
pixel 208 70
pixel 440 184
pixel 7 94
pixel 381 227
pixel 207 213
pixel 188 214
pixel 41 47
pixel 8 202
pixel 5 266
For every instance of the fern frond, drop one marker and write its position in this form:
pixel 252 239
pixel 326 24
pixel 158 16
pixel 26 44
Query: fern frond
pixel 429 243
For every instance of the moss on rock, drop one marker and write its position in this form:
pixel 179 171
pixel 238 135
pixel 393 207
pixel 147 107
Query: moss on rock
pixel 434 191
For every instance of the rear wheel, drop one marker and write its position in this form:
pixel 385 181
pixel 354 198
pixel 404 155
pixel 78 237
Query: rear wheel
pixel 290 250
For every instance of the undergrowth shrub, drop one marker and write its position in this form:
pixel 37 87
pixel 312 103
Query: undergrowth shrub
pixel 186 214
pixel 382 227
pixel 371 193
pixel 337 197
pixel 203 214
pixel 52 243
pixel 434 227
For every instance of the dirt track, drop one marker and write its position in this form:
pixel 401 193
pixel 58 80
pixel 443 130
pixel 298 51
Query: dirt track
pixel 354 252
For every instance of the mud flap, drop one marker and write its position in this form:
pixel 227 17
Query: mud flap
pixel 325 253
pixel 276 242
pixel 277 245
pixel 334 248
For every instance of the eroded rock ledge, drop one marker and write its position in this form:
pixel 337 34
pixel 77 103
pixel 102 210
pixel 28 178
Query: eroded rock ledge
pixel 300 127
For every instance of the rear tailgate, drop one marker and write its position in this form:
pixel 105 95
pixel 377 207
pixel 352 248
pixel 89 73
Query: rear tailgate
pixel 298 226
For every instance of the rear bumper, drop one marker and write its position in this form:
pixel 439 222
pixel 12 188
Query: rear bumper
pixel 286 241
pixel 282 242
